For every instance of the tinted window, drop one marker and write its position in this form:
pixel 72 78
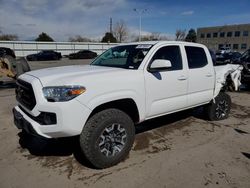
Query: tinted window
pixel 246 56
pixel 229 34
pixel 220 46
pixel 84 51
pixel 213 55
pixel 208 35
pixel 222 34
pixel 215 35
pixel 244 46
pixel 245 33
pixel 236 55
pixel 202 35
pixel 48 52
pixel 171 53
pixel 196 57
pixel 237 33
pixel 235 46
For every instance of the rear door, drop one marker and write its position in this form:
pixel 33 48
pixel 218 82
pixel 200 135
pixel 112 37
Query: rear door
pixel 200 74
pixel 166 91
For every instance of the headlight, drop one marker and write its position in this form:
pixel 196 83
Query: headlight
pixel 62 93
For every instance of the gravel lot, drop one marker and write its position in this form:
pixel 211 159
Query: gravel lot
pixel 179 150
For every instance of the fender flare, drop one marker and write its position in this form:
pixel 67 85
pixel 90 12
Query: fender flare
pixel 118 95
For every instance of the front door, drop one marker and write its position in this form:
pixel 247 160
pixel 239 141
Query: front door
pixel 166 91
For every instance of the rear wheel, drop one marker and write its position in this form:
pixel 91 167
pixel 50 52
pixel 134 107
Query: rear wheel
pixel 219 109
pixel 107 138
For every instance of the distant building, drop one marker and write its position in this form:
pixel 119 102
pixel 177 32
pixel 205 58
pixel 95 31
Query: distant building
pixel 236 37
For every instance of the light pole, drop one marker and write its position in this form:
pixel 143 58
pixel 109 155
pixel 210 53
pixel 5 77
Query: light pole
pixel 140 12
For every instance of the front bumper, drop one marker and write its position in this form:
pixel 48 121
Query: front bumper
pixel 70 121
pixel 22 123
pixel 66 118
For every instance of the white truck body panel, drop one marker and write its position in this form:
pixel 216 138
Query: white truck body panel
pixel 201 83
pixel 166 91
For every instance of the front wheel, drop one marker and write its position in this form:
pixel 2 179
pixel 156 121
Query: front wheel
pixel 219 109
pixel 107 138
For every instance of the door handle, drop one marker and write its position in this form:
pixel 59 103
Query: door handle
pixel 209 75
pixel 182 78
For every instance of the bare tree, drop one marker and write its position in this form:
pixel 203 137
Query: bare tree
pixel 120 31
pixel 180 34
pixel 79 38
pixel 8 37
pixel 153 37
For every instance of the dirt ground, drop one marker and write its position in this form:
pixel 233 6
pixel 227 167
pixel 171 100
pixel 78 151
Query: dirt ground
pixel 179 150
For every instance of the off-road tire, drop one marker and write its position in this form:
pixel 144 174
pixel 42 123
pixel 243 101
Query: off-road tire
pixel 219 108
pixel 94 129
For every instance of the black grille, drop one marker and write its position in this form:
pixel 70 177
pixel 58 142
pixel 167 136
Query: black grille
pixel 25 94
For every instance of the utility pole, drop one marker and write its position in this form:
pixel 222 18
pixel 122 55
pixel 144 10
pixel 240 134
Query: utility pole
pixel 110 26
pixel 140 12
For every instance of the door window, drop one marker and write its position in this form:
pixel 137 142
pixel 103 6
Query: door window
pixel 196 57
pixel 171 53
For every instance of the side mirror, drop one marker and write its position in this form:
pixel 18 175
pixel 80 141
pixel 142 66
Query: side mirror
pixel 159 65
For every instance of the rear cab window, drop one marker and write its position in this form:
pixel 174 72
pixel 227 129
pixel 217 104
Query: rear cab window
pixel 196 57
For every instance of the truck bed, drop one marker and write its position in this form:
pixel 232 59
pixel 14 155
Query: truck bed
pixel 233 71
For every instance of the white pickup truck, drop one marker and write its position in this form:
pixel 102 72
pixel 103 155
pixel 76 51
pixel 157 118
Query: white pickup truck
pixel 124 86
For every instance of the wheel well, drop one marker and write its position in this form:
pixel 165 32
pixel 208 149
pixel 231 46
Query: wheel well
pixel 126 105
pixel 229 84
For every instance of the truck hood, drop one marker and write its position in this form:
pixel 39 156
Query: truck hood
pixel 71 74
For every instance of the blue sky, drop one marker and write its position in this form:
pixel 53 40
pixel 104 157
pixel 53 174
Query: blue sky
pixel 62 19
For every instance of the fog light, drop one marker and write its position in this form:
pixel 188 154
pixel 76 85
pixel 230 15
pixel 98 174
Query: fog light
pixel 49 118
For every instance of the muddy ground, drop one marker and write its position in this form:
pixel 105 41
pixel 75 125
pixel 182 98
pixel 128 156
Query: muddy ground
pixel 179 150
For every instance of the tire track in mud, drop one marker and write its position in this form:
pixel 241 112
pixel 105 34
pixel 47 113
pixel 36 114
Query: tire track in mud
pixel 240 112
pixel 163 138
pixel 73 170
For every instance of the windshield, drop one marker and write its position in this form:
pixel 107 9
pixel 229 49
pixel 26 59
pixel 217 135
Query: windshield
pixel 128 56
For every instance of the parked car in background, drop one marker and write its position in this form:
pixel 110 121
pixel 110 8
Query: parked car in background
pixel 228 57
pixel 223 50
pixel 7 51
pixel 44 55
pixel 244 60
pixel 83 54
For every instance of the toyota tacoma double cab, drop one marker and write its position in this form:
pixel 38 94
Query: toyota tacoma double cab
pixel 127 84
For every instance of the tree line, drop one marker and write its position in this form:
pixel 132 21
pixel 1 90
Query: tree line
pixel 119 34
